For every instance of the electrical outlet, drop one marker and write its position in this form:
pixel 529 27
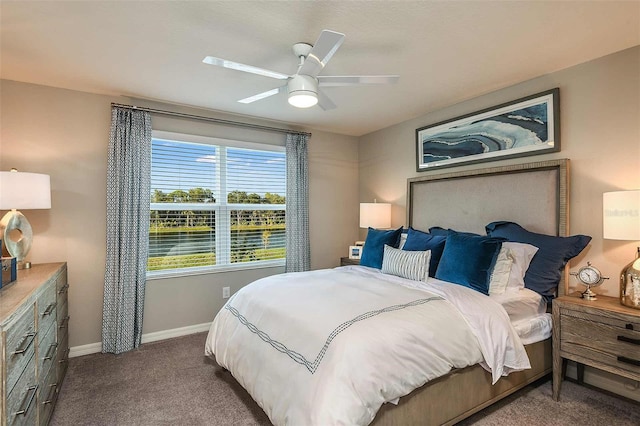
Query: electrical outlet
pixel 226 292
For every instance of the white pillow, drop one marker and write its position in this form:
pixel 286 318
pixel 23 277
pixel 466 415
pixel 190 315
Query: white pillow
pixel 501 271
pixel 403 239
pixel 511 265
pixel 413 265
pixel 522 255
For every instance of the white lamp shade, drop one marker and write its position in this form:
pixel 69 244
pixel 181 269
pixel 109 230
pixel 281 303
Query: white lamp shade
pixel 375 215
pixel 23 191
pixel 621 215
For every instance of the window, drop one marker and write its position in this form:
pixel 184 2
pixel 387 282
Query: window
pixel 215 204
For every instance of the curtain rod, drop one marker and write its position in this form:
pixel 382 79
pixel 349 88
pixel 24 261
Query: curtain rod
pixel 211 119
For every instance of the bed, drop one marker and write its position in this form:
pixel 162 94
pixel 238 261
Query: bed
pixel 536 197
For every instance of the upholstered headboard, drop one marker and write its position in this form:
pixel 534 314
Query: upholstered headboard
pixel 535 195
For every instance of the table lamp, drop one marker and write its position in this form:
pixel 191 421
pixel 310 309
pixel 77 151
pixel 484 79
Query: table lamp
pixel 621 221
pixel 375 215
pixel 23 191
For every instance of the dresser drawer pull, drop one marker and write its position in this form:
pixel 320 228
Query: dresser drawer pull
pixel 64 288
pixel 51 351
pixel 50 308
pixel 629 360
pixel 52 394
pixel 64 322
pixel 28 400
pixel 24 345
pixel 65 357
pixel 629 340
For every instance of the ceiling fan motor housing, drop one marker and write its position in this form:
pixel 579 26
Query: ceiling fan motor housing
pixel 303 83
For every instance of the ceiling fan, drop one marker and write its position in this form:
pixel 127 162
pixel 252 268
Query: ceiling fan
pixel 303 86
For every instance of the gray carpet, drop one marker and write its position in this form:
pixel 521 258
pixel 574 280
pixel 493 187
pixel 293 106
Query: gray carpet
pixel 172 383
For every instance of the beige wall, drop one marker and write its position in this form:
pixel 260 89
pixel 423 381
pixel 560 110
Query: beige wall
pixel 65 134
pixel 600 134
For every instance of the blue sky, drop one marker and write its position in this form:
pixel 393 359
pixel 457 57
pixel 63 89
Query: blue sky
pixel 182 165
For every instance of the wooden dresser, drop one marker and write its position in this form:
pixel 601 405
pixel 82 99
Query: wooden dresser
pixel 34 345
pixel 600 333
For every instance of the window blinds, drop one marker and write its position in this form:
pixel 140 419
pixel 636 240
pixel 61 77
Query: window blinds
pixel 215 205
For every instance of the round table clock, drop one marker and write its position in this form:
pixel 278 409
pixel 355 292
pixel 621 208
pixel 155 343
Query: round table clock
pixel 590 277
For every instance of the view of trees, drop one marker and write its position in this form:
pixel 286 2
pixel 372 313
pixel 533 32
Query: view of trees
pixel 251 230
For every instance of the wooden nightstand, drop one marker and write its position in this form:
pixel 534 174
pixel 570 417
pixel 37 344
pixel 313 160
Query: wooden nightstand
pixel 600 333
pixel 344 261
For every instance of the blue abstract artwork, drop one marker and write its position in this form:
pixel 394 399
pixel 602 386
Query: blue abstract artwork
pixel 524 127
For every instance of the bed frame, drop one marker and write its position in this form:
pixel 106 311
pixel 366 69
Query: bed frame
pixel 535 195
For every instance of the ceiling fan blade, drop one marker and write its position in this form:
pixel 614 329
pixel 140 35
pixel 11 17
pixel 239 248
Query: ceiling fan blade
pixel 262 95
pixel 323 49
pixel 242 67
pixel 324 101
pixel 356 80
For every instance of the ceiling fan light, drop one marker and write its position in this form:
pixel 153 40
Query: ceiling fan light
pixel 303 99
pixel 303 91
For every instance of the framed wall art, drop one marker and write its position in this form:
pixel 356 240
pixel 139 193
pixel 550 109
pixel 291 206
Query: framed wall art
pixel 526 126
pixel 355 252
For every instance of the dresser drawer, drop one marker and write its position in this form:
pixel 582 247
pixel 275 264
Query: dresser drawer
pixel 22 400
pixel 63 315
pixel 47 303
pixel 20 347
pixel 607 345
pixel 47 395
pixel 47 354
pixel 62 360
pixel 61 280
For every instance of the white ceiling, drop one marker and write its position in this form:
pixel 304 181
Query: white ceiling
pixel 444 51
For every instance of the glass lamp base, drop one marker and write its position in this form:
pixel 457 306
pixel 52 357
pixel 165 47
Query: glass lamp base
pixel 630 284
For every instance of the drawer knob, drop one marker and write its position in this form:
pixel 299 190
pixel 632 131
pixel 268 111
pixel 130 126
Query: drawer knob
pixel 629 340
pixel 50 308
pixel 27 401
pixel 64 288
pixel 629 326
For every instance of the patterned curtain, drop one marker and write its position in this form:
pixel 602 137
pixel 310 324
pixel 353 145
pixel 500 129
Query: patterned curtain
pixel 297 213
pixel 128 197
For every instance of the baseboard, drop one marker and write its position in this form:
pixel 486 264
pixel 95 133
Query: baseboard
pixel 610 382
pixel 93 348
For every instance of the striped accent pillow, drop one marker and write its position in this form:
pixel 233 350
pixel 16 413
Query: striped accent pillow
pixel 413 265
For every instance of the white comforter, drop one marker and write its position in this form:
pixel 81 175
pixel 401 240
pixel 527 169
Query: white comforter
pixel 331 346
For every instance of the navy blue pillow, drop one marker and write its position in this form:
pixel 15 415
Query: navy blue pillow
pixel 545 270
pixel 420 241
pixel 373 249
pixel 469 259
pixel 436 230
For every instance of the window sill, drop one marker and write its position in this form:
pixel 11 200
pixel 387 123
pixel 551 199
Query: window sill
pixel 175 273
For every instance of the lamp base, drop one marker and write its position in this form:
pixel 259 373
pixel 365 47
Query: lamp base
pixel 16 234
pixel 630 284
pixel 24 265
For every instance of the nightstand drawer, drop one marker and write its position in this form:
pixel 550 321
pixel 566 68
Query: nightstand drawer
pixel 605 344
pixel 630 324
